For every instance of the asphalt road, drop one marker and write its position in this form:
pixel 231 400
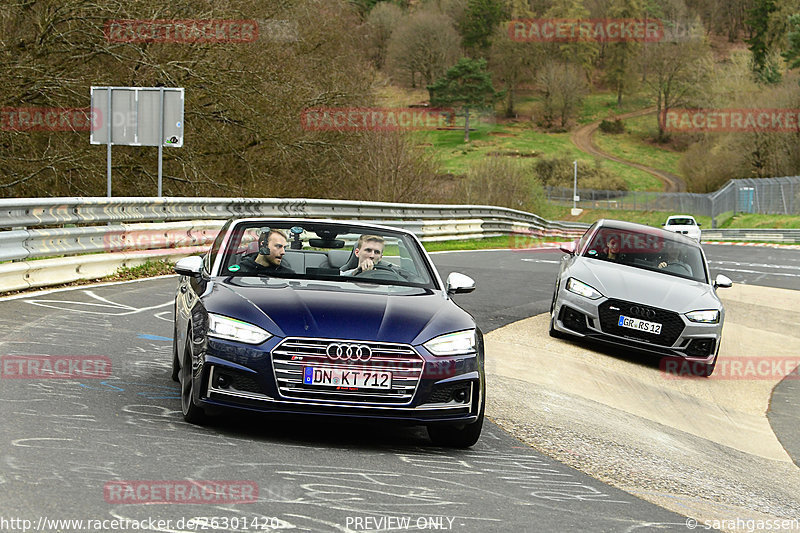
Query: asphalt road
pixel 65 442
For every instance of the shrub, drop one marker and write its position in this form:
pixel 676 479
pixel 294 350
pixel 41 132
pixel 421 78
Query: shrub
pixel 502 182
pixel 558 171
pixel 615 126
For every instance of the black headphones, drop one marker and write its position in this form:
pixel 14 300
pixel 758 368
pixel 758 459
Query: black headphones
pixel 263 242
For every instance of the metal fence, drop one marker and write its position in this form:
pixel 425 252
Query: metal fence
pixel 764 195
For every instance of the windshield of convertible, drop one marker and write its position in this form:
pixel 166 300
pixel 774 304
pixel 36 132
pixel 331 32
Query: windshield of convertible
pixel 648 251
pixel 322 251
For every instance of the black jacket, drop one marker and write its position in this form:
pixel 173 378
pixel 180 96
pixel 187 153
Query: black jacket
pixel 249 266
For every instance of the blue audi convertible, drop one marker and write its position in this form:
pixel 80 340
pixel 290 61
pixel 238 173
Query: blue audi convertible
pixel 334 318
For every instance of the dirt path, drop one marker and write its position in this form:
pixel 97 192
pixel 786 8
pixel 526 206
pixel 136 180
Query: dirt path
pixel 582 138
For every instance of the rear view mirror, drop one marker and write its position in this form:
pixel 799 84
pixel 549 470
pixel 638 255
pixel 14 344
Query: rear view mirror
pixel 326 243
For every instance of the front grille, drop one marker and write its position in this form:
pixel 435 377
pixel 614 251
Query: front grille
pixel 292 355
pixel 671 323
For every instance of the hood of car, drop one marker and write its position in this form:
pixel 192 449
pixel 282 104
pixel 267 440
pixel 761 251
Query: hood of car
pixel 412 317
pixel 633 284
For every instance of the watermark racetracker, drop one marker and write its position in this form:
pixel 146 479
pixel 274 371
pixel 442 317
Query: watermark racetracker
pixel 374 118
pixel 607 30
pixel 55 366
pixel 730 120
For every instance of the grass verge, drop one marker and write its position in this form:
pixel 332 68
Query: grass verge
pixel 521 141
pixel 633 145
pixel 468 244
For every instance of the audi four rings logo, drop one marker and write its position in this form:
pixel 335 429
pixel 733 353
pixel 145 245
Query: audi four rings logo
pixel 349 352
pixel 643 312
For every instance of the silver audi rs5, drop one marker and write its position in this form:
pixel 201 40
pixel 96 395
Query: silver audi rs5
pixel 640 287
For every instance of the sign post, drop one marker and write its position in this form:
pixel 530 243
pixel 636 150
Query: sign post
pixel 575 198
pixel 138 116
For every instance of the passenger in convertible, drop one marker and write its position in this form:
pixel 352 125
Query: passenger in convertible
pixel 268 259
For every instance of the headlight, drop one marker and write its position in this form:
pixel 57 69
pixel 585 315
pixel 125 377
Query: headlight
pixel 461 342
pixel 579 287
pixel 235 330
pixel 709 316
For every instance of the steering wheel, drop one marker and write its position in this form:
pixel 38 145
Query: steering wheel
pixel 681 266
pixel 381 270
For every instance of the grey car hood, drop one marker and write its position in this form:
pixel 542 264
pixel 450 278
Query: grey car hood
pixel 643 286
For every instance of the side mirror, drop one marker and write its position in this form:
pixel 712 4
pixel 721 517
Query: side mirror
pixel 699 224
pixel 568 247
pixel 722 282
pixel 189 266
pixel 458 283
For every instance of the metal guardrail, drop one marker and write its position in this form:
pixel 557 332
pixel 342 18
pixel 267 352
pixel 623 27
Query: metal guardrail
pixel 753 234
pixel 92 237
pixel 37 212
pixel 178 222
pixel 38 243
pixel 103 234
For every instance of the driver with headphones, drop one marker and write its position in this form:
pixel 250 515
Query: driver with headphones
pixel 271 247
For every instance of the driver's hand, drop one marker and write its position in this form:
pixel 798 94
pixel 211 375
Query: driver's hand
pixel 662 264
pixel 367 264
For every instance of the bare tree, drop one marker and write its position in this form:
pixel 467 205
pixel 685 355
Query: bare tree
pixel 512 63
pixel 717 157
pixel 243 100
pixel 503 182
pixel 381 22
pixel 426 44
pixel 390 167
pixel 563 86
pixel 677 71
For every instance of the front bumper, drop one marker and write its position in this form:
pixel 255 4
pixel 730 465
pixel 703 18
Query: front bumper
pixel 592 320
pixel 445 389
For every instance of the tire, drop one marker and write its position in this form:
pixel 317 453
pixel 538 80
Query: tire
pixel 700 369
pixel 191 412
pixel 176 364
pixel 706 370
pixel 457 436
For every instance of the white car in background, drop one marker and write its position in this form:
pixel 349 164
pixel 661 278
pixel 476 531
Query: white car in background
pixel 685 224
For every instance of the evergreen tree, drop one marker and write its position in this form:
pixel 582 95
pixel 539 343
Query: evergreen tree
pixel 792 55
pixel 480 21
pixel 761 41
pixel 622 55
pixel 468 85
pixel 582 53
